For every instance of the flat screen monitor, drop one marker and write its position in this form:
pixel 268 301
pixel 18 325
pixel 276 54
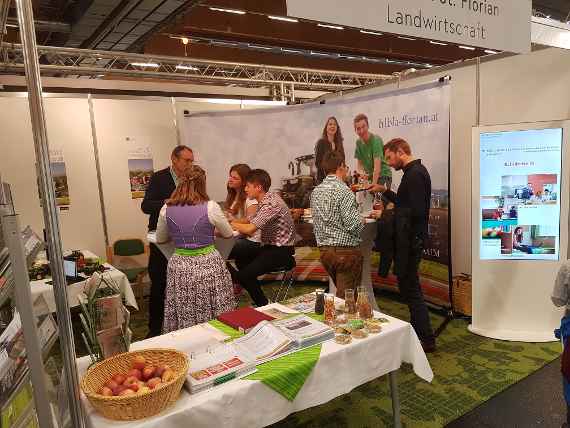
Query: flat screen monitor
pixel 520 183
pixel 70 268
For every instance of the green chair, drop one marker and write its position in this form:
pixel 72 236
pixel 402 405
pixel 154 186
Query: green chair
pixel 121 254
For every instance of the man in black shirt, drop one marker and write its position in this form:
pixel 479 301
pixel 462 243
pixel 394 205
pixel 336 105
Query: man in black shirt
pixel 161 186
pixel 413 199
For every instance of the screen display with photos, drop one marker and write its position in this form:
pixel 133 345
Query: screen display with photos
pixel 520 174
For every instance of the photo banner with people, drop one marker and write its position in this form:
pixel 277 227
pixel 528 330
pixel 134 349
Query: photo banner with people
pixel 283 141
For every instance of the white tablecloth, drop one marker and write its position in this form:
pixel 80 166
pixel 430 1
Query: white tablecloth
pixel 250 404
pixel 41 287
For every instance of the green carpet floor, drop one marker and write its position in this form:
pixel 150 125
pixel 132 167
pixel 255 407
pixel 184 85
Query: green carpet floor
pixel 468 370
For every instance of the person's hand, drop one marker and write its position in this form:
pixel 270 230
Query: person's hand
pixel 233 225
pixel 296 213
pixel 376 214
pixel 375 188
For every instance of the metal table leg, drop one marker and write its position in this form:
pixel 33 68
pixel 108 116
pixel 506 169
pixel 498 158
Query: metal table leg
pixel 393 379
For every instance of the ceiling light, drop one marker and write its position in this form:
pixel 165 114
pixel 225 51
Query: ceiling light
pixel 405 38
pixel 220 43
pixel 185 40
pixel 259 47
pixel 370 32
pixel 334 27
pixel 186 67
pixel 349 57
pixel 319 53
pixel 428 65
pixel 291 51
pixel 489 51
pixel 219 9
pixel 469 48
pixel 283 18
pixel 438 43
pixel 145 64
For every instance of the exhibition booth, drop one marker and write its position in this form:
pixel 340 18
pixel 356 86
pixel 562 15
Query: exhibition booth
pixel 494 134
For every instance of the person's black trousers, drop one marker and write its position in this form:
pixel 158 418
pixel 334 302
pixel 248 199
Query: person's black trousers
pixel 411 291
pixel 259 260
pixel 157 267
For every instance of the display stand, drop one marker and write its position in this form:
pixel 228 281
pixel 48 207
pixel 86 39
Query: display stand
pixel 18 407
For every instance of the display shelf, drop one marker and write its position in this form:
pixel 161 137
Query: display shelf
pixel 6 290
pixel 24 378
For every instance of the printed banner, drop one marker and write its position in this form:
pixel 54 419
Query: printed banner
pixel 59 175
pixel 492 24
pixel 282 140
pixel 140 166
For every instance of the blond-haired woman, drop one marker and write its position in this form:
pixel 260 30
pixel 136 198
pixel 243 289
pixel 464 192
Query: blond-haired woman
pixel 198 285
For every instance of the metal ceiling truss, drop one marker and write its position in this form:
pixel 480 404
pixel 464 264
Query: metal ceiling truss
pixel 58 61
pixel 4 9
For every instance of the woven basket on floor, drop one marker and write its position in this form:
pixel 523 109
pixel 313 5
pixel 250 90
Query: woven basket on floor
pixel 462 294
pixel 137 406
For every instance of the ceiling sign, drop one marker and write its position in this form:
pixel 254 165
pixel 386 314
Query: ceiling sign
pixel 492 24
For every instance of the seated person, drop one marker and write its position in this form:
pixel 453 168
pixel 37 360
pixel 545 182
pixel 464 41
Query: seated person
pixel 241 209
pixel 274 220
pixel 198 285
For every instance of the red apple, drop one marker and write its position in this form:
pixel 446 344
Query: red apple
pixel 139 362
pixel 119 378
pixel 134 386
pixel 168 375
pixel 136 373
pixel 119 389
pixel 130 380
pixel 154 382
pixel 108 392
pixel 111 384
pixel 148 372
pixel 126 391
pixel 160 370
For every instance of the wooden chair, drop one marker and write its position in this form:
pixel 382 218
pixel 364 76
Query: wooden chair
pixel 121 256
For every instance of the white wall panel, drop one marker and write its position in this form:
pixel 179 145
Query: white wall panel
pixel 69 128
pixel 148 122
pixel 526 88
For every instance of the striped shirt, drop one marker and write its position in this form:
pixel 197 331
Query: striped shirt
pixel 336 219
pixel 275 222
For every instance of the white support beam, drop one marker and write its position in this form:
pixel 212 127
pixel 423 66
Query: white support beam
pixel 549 32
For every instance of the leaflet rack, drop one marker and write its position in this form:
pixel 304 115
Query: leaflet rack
pixel 25 340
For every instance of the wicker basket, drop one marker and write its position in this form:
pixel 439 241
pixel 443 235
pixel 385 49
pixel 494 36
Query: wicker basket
pixel 137 406
pixel 462 294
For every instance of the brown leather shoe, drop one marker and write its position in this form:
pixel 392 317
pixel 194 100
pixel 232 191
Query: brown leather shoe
pixel 429 347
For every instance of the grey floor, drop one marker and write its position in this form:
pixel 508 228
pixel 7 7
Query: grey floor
pixel 536 401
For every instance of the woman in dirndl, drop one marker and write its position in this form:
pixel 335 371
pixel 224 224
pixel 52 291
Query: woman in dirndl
pixel 198 284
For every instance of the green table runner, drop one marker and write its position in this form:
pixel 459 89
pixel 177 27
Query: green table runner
pixel 226 329
pixel 285 375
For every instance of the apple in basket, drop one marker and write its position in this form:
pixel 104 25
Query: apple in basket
pixel 154 382
pixel 139 362
pixel 135 373
pixel 148 372
pixel 141 378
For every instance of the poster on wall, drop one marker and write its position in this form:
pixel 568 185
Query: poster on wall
pixel 140 166
pixel 520 194
pixel 59 176
pixel 282 140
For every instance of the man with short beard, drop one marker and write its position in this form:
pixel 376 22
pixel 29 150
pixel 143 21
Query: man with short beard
pixel 413 200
